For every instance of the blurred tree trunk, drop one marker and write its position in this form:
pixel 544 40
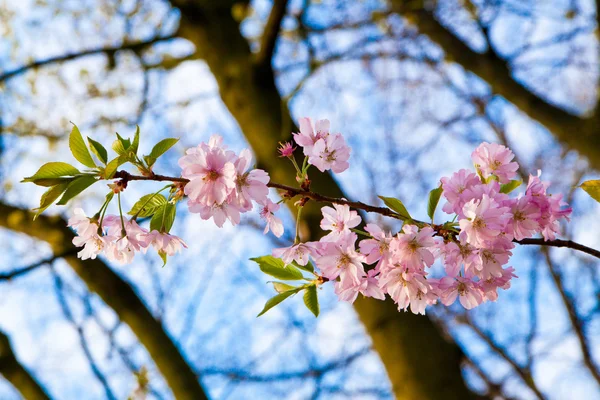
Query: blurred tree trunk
pixel 117 294
pixel 421 363
pixel 17 375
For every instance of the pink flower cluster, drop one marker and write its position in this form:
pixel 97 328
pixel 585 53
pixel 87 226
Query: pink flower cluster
pixel 473 251
pixel 115 244
pixel 326 151
pixel 223 186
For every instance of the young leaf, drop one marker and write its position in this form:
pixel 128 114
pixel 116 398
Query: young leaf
pixel 161 147
pixel 79 149
pixel 112 167
pixel 277 269
pixel 77 186
pixel 592 188
pixel 50 172
pixel 510 186
pixel 434 199
pixel 311 300
pixel 136 140
pixel 121 145
pixel 163 256
pixel 98 150
pixel 281 287
pixel 148 205
pixel 163 218
pixel 396 205
pixel 273 301
pixel 49 197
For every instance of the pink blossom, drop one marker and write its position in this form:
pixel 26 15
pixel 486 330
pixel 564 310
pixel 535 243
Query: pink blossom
pixel 490 286
pixel 250 185
pixel 413 247
pixel 484 221
pixel 268 214
pixel 377 248
pixel 490 261
pixel 525 216
pixel 211 172
pixel 341 259
pixel 454 187
pixel 368 287
pixel 455 254
pixel 218 212
pixel 286 149
pixel 166 243
pixel 299 252
pixel 408 288
pixel 124 245
pixel 495 159
pixel 330 152
pixel 339 220
pixel 308 137
pixel 469 294
pixel 87 235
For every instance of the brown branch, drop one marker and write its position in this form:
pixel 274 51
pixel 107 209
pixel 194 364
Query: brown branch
pixel 17 375
pixel 270 34
pixel 135 46
pixel 290 191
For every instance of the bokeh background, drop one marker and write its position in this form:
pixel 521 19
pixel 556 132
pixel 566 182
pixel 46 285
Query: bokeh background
pixel 413 85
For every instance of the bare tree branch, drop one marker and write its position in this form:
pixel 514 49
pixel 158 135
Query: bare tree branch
pixel 270 34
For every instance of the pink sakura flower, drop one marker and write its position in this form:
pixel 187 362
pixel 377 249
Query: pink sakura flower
pixel 377 248
pixel 550 207
pixel 495 159
pixel 341 259
pixel 268 214
pixel 299 252
pixel 286 149
pixel 219 212
pixel 211 172
pixel 124 246
pixel 490 286
pixel 408 288
pixel 250 185
pixel 166 243
pixel 87 235
pixel 483 222
pixel 525 216
pixel 490 261
pixel 412 247
pixel 469 294
pixel 455 254
pixel 368 287
pixel 454 187
pixel 308 137
pixel 330 153
pixel 338 220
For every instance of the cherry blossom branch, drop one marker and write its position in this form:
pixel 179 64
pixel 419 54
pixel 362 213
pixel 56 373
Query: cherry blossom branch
pixel 293 192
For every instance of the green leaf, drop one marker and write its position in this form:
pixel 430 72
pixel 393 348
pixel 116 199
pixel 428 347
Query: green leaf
pixel 163 218
pixel 510 186
pixel 273 301
pixel 98 150
pixel 281 287
pixel 49 197
pixel 148 205
pixel 434 199
pixel 163 256
pixel 161 147
pixel 136 140
pixel 121 145
pixel 48 173
pixel 308 267
pixel 79 149
pixel 112 167
pixel 77 186
pixel 396 205
pixel 592 188
pixel 311 300
pixel 277 269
